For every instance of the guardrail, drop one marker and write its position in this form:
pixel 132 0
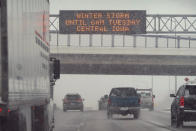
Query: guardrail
pixel 134 41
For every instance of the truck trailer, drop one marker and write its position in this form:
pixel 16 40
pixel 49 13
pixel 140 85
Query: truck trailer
pixel 26 80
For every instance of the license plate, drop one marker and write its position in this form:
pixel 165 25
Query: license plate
pixel 72 103
pixel 124 108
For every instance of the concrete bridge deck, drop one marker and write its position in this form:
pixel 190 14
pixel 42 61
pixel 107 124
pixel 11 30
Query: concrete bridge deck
pixel 126 61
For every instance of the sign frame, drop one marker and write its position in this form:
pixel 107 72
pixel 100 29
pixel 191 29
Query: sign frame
pixel 125 22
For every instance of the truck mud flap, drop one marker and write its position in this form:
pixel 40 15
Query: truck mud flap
pixel 39 115
pixel 10 122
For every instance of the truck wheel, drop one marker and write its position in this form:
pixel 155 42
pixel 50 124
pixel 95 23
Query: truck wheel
pixel 4 124
pixel 151 108
pixel 172 120
pixel 110 115
pixel 176 121
pixel 99 106
pixel 40 118
pixel 64 110
pixel 136 115
pixel 179 121
pixel 15 121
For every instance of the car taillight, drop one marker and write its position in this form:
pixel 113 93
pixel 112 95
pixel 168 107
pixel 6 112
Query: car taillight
pixel 79 100
pixel 65 101
pixel 139 100
pixel 1 110
pixel 182 102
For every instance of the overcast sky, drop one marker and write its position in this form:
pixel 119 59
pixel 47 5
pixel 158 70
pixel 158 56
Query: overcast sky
pixel 92 87
pixel 151 6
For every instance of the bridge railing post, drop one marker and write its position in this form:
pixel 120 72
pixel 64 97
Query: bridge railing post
pixel 79 40
pixel 57 40
pixel 68 40
pixel 189 42
pixel 101 40
pixel 156 42
pixel 90 40
pixel 112 40
pixel 134 41
pixel 123 40
pixel 178 41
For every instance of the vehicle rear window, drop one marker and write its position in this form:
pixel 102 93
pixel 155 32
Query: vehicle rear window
pixel 73 97
pixel 145 94
pixel 123 92
pixel 190 90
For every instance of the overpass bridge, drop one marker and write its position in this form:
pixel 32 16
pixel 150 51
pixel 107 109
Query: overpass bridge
pixel 155 54
pixel 126 61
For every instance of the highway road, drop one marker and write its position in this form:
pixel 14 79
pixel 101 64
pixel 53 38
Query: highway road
pixel 97 121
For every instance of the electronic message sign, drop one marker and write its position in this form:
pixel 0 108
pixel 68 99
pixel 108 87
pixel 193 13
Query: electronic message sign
pixel 102 22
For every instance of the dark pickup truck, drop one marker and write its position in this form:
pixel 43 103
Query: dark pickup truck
pixel 124 101
pixel 183 107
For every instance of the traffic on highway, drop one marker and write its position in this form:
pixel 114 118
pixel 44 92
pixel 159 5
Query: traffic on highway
pixel 125 111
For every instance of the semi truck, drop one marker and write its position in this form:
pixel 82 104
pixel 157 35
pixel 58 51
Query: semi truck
pixel 27 74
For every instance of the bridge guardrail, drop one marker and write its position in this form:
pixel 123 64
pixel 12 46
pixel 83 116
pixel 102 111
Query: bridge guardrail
pixel 134 41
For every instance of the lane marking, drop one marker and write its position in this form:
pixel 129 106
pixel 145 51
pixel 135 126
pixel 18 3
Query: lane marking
pixel 159 125
pixel 80 126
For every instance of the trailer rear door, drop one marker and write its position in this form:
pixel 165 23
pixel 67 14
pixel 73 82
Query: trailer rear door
pixel 3 52
pixel 0 52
